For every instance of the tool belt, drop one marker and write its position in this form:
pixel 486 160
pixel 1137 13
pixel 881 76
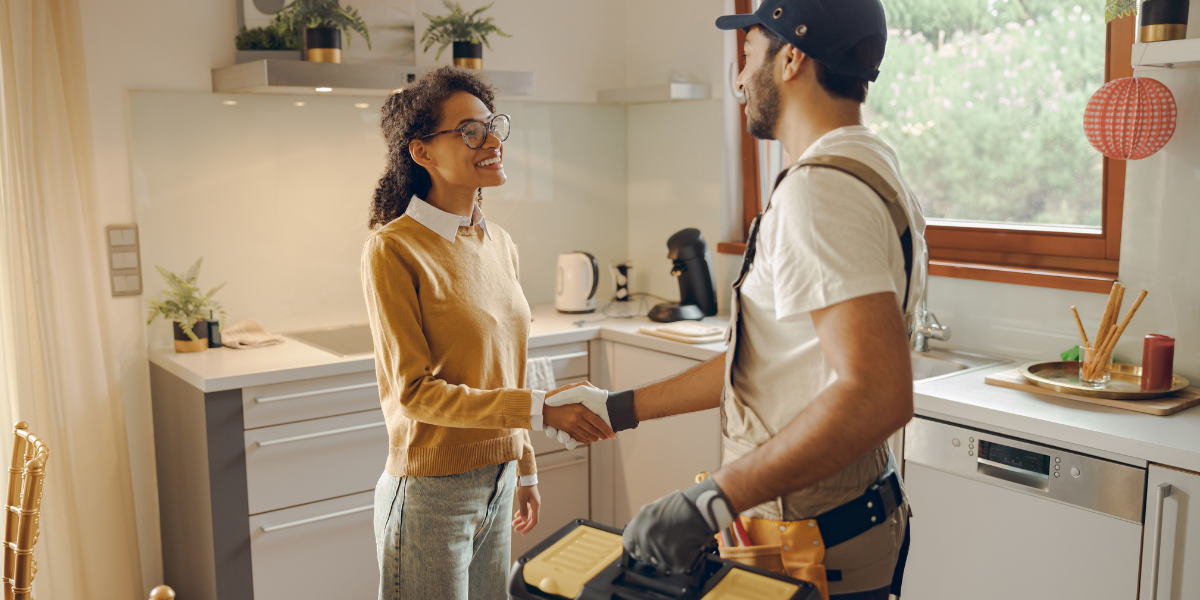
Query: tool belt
pixel 797 548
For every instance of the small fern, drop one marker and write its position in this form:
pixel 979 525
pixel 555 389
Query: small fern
pixel 183 302
pixel 1115 9
pixel 458 26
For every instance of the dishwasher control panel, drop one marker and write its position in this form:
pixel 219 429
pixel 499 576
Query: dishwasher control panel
pixel 1077 479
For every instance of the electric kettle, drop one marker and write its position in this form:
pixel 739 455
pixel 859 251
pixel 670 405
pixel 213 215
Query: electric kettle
pixel 575 290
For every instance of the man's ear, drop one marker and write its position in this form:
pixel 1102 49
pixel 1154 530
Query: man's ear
pixel 791 62
pixel 419 151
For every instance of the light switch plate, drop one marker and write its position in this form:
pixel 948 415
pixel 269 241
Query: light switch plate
pixel 124 260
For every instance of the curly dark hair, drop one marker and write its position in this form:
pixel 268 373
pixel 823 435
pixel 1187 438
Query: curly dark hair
pixel 409 114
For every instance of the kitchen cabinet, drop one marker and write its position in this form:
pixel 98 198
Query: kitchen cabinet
pixel 261 483
pixel 1173 532
pixel 564 487
pixel 663 455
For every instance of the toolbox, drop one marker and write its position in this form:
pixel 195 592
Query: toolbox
pixel 586 561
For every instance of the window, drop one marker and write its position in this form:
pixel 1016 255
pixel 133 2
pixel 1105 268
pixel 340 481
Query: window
pixel 983 102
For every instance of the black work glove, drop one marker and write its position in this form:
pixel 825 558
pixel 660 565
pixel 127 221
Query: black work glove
pixel 672 532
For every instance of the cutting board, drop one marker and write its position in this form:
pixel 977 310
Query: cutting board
pixel 1183 399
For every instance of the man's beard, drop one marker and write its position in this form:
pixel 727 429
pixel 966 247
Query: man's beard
pixel 763 98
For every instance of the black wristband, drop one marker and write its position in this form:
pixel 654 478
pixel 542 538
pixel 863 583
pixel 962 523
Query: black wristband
pixel 620 410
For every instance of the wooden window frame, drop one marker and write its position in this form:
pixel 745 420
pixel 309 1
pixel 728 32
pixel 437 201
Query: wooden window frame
pixel 1024 255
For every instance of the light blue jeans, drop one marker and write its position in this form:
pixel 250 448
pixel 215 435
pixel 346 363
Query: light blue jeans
pixel 445 537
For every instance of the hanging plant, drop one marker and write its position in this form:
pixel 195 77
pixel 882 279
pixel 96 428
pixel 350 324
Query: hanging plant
pixel 1115 9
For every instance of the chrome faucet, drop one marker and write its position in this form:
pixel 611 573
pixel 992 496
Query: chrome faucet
pixel 926 326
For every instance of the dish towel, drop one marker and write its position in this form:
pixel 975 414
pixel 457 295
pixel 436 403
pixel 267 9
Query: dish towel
pixel 539 374
pixel 248 333
pixel 688 332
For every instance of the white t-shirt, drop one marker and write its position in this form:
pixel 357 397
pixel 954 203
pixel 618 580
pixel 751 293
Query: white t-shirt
pixel 826 238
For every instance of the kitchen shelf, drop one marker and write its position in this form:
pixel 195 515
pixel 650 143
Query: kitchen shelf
pixel 270 76
pixel 645 94
pixel 1172 54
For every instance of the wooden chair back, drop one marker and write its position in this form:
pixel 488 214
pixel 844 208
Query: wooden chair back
pixel 23 512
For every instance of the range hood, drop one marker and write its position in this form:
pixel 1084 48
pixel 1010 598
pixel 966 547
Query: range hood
pixel 270 76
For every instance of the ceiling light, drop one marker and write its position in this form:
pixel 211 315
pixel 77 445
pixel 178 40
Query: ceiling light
pixel 324 89
pixel 298 104
pixel 362 105
pixel 229 102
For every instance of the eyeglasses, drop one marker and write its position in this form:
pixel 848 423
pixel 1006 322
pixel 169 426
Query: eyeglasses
pixel 475 133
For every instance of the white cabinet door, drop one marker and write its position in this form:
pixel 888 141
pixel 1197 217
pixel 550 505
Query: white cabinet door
pixel 1179 547
pixel 316 551
pixel 663 455
pixel 563 485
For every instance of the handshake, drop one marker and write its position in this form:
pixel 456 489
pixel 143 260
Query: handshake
pixel 577 414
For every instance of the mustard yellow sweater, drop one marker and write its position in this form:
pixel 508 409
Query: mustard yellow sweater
pixel 451 330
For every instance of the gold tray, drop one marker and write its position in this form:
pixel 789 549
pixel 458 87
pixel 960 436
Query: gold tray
pixel 1126 383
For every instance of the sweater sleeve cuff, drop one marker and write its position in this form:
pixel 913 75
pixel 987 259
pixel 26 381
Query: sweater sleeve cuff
pixel 527 466
pixel 620 410
pixel 517 408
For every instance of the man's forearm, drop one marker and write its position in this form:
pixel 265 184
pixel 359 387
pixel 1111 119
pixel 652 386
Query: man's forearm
pixel 842 424
pixel 695 389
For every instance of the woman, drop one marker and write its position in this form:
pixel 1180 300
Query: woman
pixel 451 326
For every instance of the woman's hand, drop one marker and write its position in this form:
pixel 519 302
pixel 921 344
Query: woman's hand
pixel 529 506
pixel 576 419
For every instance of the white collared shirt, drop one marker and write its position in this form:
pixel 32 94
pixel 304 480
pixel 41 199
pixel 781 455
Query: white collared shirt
pixel 446 225
pixel 443 223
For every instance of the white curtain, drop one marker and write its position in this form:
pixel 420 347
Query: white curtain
pixel 56 370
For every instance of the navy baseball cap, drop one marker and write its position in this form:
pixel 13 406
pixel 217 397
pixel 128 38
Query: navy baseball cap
pixel 823 29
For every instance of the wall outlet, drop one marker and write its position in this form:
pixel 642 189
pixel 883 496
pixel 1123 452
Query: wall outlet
pixel 124 260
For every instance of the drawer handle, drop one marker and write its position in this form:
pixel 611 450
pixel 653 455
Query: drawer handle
pixel 565 356
pixel 571 463
pixel 309 436
pixel 1164 490
pixel 344 388
pixel 332 515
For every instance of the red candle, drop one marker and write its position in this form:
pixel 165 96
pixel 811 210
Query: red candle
pixel 1158 362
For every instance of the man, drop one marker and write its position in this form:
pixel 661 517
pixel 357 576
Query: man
pixel 818 373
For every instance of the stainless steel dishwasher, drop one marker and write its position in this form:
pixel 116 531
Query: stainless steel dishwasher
pixel 998 518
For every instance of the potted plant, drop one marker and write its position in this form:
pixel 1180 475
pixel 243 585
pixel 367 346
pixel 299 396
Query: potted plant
pixel 464 30
pixel 186 308
pixel 322 23
pixel 270 42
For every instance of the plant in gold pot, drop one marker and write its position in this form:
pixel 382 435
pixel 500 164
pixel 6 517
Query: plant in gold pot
pixel 465 30
pixel 186 307
pixel 321 23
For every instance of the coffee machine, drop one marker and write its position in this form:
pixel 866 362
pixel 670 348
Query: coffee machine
pixel 689 264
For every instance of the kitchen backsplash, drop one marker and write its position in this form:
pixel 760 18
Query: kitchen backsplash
pixel 273 192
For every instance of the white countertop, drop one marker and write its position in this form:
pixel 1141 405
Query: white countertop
pixel 220 369
pixel 1120 435
pixel 1107 432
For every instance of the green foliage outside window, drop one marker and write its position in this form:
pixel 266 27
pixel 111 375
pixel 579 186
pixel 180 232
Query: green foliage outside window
pixel 983 100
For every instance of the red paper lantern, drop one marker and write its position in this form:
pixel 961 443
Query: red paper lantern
pixel 1130 118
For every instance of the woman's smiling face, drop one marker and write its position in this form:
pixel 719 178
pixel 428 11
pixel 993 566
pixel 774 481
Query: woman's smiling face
pixel 451 160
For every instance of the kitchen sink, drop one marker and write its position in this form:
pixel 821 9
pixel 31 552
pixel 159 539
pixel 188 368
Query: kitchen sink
pixel 343 340
pixel 942 363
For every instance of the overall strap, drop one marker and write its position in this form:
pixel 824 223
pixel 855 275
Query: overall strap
pixel 873 180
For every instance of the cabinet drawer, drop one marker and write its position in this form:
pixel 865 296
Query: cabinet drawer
pixel 570 360
pixel 316 551
pixel 541 443
pixel 563 484
pixel 293 401
pixel 297 463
